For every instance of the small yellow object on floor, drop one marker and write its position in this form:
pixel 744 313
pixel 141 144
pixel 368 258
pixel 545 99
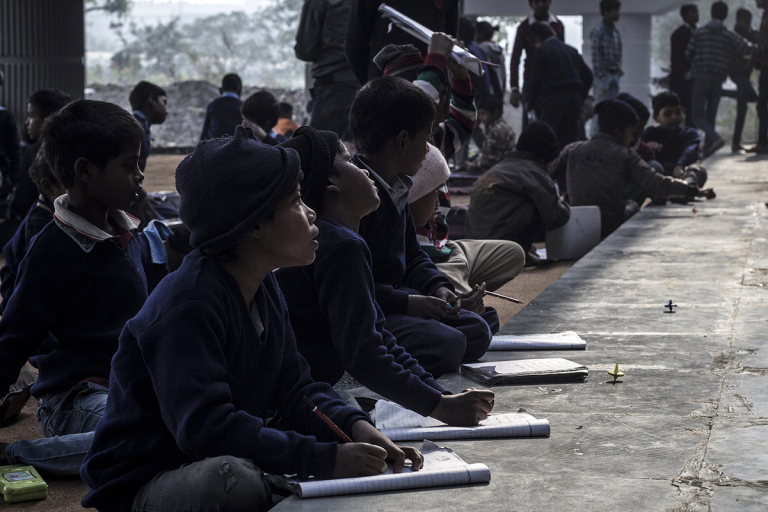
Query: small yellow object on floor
pixel 616 373
pixel 22 483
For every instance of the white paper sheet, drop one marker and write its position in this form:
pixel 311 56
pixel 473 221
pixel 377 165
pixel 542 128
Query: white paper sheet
pixel 567 340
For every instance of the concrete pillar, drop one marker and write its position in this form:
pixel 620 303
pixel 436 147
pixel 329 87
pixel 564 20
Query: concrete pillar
pixel 636 60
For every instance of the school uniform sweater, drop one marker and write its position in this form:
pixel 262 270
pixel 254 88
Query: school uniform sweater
pixel 397 257
pixel 81 292
pixel 222 116
pixel 681 147
pixel 340 327
pixel 193 379
pixel 38 217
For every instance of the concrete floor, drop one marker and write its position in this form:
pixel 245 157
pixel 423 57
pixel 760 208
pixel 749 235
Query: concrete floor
pixel 687 427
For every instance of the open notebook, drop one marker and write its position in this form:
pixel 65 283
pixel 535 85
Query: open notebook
pixel 567 340
pixel 400 424
pixel 441 467
pixel 525 371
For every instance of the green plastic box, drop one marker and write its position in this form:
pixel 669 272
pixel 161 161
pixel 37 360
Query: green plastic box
pixel 22 483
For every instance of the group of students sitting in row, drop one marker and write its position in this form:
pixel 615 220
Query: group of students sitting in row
pixel 169 360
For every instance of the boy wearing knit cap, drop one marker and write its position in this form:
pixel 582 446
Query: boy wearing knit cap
pixel 337 322
pixel 472 266
pixel 599 170
pixel 391 121
pixel 171 433
pixel 516 199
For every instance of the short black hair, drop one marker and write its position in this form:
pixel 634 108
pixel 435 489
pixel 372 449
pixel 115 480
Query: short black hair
pixel 719 11
pixel 48 101
pixel 540 30
pixel 664 99
pixel 96 130
pixel 744 13
pixel 261 108
pixel 485 30
pixel 286 110
pixel 383 108
pixel 609 5
pixel 466 30
pixel 39 170
pixel 144 91
pixel 231 83
pixel 491 103
pixel 687 7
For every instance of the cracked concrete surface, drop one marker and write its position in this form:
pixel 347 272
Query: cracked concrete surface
pixel 687 428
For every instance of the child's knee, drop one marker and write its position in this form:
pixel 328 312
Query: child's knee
pixel 450 347
pixel 478 332
pixel 234 482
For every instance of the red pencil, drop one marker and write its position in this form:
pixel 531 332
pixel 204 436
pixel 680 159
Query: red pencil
pixel 344 437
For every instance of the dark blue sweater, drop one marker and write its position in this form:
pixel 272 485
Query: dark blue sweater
pixel 221 117
pixel 339 326
pixel 39 215
pixel 555 66
pixel 83 299
pixel 681 147
pixel 398 260
pixel 192 379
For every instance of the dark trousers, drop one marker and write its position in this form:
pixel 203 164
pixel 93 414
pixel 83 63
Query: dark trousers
pixel 441 346
pixel 762 108
pixel 330 108
pixel 684 89
pixel 745 94
pixel 561 110
pixel 706 99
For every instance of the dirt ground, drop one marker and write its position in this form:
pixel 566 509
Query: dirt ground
pixel 64 495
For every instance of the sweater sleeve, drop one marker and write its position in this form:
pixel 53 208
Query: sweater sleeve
pixel 532 86
pixel 554 211
pixel 369 353
pixel 690 50
pixel 362 16
pixel 692 143
pixel 655 184
pixel 517 52
pixel 420 272
pixel 309 34
pixel 200 414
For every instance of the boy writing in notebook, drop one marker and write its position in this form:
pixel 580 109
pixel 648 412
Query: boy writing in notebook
pixel 334 314
pixel 391 121
pixel 172 431
pixel 79 282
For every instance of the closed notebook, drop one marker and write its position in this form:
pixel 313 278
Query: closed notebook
pixel 525 371
pixel 400 424
pixel 441 467
pixel 567 340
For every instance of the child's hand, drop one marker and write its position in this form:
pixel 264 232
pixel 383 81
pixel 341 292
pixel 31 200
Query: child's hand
pixel 473 301
pixel 364 432
pixel 515 97
pixel 359 459
pixel 656 146
pixel 466 409
pixel 706 192
pixel 441 43
pixel 453 301
pixel 429 308
pixel 677 172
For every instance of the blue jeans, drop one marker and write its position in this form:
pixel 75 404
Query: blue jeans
pixel 218 483
pixel 706 98
pixel 330 108
pixel 67 420
pixel 606 87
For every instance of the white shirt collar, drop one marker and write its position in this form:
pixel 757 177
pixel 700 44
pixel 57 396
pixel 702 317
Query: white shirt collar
pixel 532 18
pixel 68 218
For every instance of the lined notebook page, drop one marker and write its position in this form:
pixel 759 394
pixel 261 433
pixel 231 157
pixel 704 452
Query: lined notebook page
pixel 567 340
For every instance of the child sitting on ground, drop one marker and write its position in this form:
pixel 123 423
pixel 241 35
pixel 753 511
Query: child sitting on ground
pixel 516 199
pixel 472 266
pixel 391 121
pixel 81 280
pixel 222 115
pixel 285 124
pixel 260 113
pixel 677 147
pixel 333 310
pixel 499 136
pixel 599 170
pixel 222 322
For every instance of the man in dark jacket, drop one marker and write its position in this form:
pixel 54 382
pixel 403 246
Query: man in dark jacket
pixel 516 199
pixel 680 80
pixel 223 114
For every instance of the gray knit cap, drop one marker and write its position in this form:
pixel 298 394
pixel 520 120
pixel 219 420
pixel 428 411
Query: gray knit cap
pixel 228 186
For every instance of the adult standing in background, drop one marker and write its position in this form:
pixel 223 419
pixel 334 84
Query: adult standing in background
pixel 680 80
pixel 605 39
pixel 495 55
pixel 320 40
pixel 741 75
pixel 540 13
pixel 762 101
pixel 368 33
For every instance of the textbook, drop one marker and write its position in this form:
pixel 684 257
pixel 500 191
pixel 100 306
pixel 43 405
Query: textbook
pixel 400 424
pixel 441 467
pixel 567 340
pixel 525 371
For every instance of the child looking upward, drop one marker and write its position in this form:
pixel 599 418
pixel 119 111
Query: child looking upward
pixel 599 170
pixel 391 121
pixel 222 320
pixel 80 281
pixel 337 323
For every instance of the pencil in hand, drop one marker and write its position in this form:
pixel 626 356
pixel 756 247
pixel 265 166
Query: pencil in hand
pixel 312 407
